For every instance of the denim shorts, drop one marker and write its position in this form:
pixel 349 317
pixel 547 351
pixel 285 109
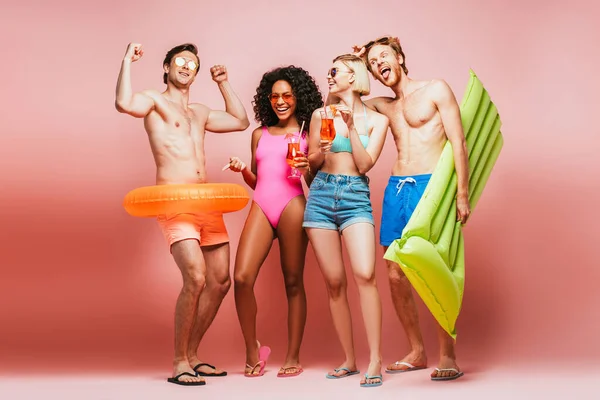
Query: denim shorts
pixel 337 201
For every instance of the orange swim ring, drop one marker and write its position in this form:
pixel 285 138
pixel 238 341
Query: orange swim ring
pixel 151 201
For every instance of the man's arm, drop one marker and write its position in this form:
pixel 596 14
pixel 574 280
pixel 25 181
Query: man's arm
pixel 234 118
pixel 378 103
pixel 134 104
pixel 450 113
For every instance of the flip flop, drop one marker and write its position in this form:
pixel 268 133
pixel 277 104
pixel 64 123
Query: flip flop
pixel 251 374
pixel 283 371
pixel 372 384
pixel 447 378
pixel 397 371
pixel 348 373
pixel 224 373
pixel 176 380
pixel 263 356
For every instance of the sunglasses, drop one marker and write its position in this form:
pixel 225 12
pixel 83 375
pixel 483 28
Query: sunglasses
pixel 334 71
pixel 180 62
pixel 287 97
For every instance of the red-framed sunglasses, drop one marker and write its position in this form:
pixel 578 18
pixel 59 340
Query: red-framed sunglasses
pixel 287 97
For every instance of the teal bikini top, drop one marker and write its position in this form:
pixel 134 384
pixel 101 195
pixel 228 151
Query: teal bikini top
pixel 342 144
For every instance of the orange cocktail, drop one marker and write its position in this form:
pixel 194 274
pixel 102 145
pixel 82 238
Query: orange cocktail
pixel 293 150
pixel 327 125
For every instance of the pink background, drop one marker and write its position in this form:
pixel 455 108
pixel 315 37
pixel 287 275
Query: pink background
pixel 86 287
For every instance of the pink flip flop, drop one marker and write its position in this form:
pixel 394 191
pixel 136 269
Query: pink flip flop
pixel 263 356
pixel 283 371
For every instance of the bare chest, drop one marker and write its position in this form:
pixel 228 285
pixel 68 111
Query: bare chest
pixel 413 116
pixel 184 124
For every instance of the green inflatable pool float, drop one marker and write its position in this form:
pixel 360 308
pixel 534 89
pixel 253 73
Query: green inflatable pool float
pixel 431 250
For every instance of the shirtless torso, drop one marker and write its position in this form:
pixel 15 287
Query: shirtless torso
pixel 417 128
pixel 176 128
pixel 176 135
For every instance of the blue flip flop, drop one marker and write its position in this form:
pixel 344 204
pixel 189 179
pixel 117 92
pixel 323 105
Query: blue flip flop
pixel 349 373
pixel 367 377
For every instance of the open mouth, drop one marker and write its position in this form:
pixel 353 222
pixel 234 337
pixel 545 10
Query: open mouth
pixel 184 74
pixel 281 110
pixel 385 72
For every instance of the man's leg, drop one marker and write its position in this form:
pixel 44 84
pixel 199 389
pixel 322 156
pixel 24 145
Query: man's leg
pixel 217 286
pixel 398 204
pixel 406 309
pixel 188 257
pixel 447 367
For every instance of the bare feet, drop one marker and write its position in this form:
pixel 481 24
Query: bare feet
pixel 374 374
pixel 416 359
pixel 447 369
pixel 348 367
pixel 182 367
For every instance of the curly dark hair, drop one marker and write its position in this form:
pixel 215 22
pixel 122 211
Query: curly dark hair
pixel 304 87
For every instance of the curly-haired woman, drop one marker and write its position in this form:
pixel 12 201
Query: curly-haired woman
pixel 285 98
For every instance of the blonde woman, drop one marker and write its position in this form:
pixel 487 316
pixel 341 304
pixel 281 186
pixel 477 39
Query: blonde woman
pixel 339 206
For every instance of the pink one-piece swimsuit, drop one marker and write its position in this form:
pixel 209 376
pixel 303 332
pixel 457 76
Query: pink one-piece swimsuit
pixel 274 189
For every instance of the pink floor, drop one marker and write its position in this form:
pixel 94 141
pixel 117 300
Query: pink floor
pixel 540 382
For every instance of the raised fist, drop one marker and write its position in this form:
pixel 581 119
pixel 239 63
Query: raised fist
pixel 218 73
pixel 134 52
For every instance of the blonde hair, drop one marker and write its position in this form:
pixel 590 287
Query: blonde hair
pixel 361 84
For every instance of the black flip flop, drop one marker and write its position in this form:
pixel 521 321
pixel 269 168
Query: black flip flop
pixel 176 380
pixel 224 373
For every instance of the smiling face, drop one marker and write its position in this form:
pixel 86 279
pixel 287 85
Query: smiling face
pixel 340 78
pixel 385 65
pixel 283 100
pixel 182 69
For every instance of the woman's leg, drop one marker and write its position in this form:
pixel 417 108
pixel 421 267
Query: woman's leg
pixel 360 243
pixel 254 246
pixel 293 242
pixel 327 247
